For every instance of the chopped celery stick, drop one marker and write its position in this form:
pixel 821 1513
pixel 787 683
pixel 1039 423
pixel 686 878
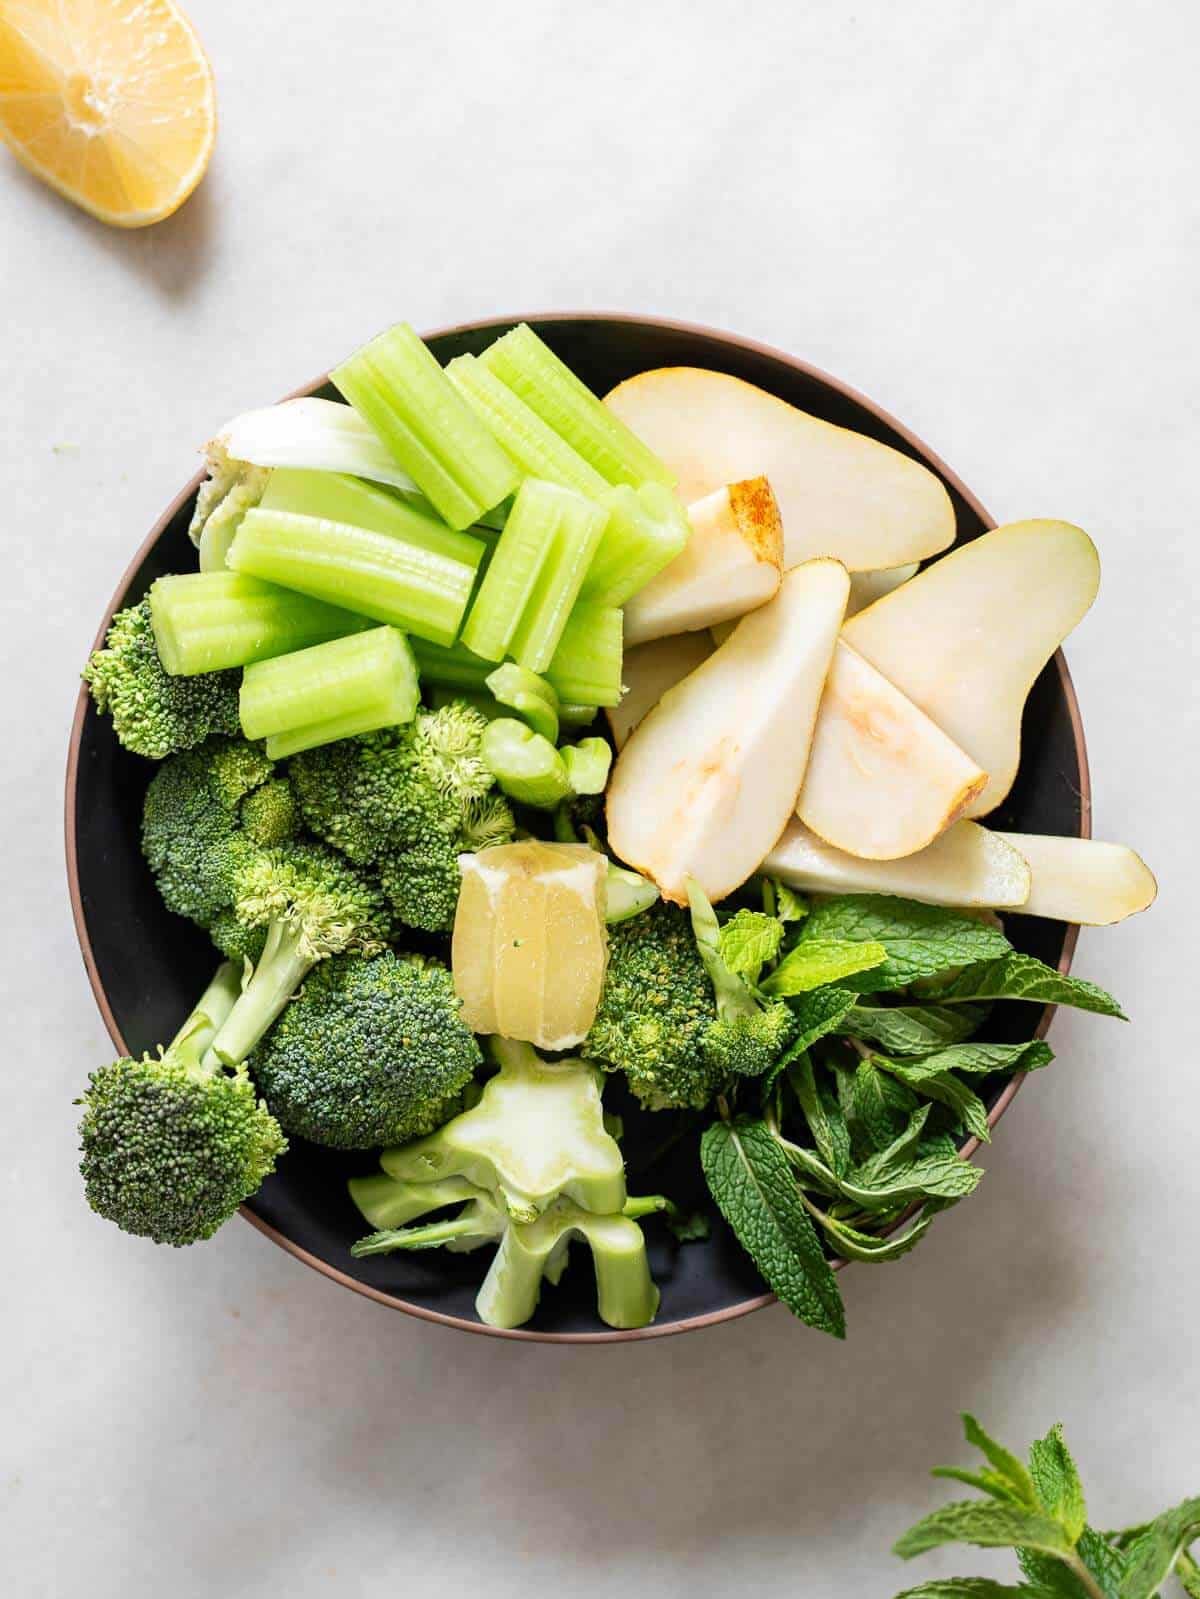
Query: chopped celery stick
pixel 529 695
pixel 487 707
pixel 337 498
pixel 647 528
pixel 536 448
pixel 575 527
pixel 323 435
pixel 207 621
pixel 587 764
pixel 531 369
pixel 513 569
pixel 527 766
pixel 348 677
pixel 572 715
pixel 586 668
pixel 453 667
pixel 393 579
pixel 398 386
pixel 280 745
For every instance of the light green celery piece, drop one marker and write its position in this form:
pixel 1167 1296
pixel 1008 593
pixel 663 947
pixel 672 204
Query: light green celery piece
pixel 586 666
pixel 531 369
pixel 396 384
pixel 536 448
pixel 345 678
pixel 521 552
pixel 437 697
pixel 572 715
pixel 526 766
pixel 587 765
pixel 392 578
pixel 209 621
pixel 647 528
pixel 452 667
pixel 578 526
pixel 337 498
pixel 529 695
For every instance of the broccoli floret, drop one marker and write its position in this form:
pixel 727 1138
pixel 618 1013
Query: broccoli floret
pixel 235 940
pixel 371 1051
pixel 171 1148
pixel 655 1008
pixel 270 814
pixel 750 1032
pixel 409 801
pixel 152 713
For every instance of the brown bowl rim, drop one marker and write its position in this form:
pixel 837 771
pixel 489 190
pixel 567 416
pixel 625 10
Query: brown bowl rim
pixel 736 341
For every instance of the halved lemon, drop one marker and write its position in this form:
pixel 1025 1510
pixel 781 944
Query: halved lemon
pixel 109 101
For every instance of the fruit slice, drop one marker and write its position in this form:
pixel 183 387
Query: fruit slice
pixel 709 780
pixel 530 945
pixel 731 563
pixel 1083 879
pixel 967 867
pixel 110 103
pixel 840 493
pixel 883 780
pixel 867 587
pixel 965 639
pixel 649 671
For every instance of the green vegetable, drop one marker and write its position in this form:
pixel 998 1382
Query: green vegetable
pixel 419 581
pixel 152 713
pixel 909 1029
pixel 647 528
pixel 749 941
pixel 536 1135
pixel 748 1035
pixel 587 763
pixel 396 385
pixel 172 1146
pixel 1040 1512
pixel 814 962
pixel 371 1051
pixel 526 766
pixel 409 802
pixel 523 362
pixel 1016 976
pixel 920 940
pixel 453 667
pixel 536 448
pixel 208 621
pixel 533 699
pixel 330 691
pixel 586 666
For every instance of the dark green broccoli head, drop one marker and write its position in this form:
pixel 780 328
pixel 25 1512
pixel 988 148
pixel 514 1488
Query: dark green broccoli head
pixel 170 1152
pixel 655 1008
pixel 235 940
pixel 372 1051
pixel 747 1045
pixel 152 713
pixel 270 814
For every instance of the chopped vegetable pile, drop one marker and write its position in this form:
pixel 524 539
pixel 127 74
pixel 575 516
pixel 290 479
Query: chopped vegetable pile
pixel 467 857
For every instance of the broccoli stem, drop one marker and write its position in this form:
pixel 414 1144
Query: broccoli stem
pixel 194 1039
pixel 430 1236
pixel 732 994
pixel 284 964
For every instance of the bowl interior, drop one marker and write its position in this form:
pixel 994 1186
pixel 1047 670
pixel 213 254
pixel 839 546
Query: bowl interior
pixel 147 966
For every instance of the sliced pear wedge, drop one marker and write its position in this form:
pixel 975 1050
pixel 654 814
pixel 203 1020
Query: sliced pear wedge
pixel 732 563
pixel 867 587
pixel 883 780
pixel 708 781
pixel 1082 879
pixel 968 868
pixel 965 638
pixel 840 493
pixel 649 671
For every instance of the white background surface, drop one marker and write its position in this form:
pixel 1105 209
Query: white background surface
pixel 985 216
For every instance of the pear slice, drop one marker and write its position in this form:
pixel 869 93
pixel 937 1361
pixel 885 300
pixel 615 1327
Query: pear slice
pixel 1082 879
pixel 867 587
pixel 649 671
pixel 965 638
pixel 731 563
pixel 840 493
pixel 708 781
pixel 967 867
pixel 883 780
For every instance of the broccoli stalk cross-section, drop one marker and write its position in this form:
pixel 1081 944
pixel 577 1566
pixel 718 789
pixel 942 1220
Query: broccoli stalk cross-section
pixel 172 1146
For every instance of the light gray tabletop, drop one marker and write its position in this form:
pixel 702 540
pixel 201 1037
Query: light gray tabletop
pixel 986 217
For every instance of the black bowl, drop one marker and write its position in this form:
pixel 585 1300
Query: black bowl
pixel 146 966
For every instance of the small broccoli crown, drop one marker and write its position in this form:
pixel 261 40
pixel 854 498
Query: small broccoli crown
pixel 235 940
pixel 747 1045
pixel 330 904
pixel 270 815
pixel 326 782
pixel 168 1152
pixel 422 882
pixel 154 714
pixel 372 1051
pixel 654 1010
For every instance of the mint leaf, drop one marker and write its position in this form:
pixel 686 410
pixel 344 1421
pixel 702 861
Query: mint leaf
pixel 1150 1560
pixel 909 1029
pixel 789 906
pixel 752 1183
pixel 873 1108
pixel 748 941
pixel 1016 976
pixel 1002 1461
pixel 972 1588
pixel 1056 1478
pixel 817 1014
pixel 981 1058
pixel 942 1176
pixel 1188 1573
pixel 813 962
pixel 824 1116
pixel 903 1148
pixel 810 1170
pixel 988 1482
pixel 945 1088
pixel 852 1244
pixel 1050 1576
pixel 920 940
pixel 987 1526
